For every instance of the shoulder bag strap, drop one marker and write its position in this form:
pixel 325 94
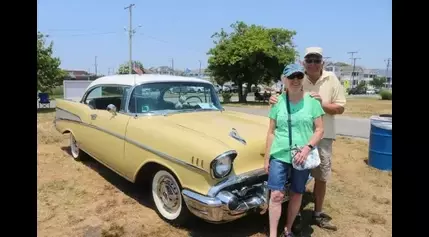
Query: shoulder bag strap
pixel 289 120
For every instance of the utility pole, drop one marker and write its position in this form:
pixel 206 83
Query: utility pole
pixel 95 65
pixel 199 73
pixel 353 70
pixel 108 71
pixel 387 68
pixel 172 65
pixel 352 53
pixel 353 63
pixel 131 31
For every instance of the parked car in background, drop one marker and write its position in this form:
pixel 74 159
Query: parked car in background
pixel 370 91
pixel 198 159
pixel 357 91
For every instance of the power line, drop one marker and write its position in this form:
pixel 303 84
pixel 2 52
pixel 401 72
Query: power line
pixel 57 30
pixel 84 34
pixel 167 42
pixel 116 32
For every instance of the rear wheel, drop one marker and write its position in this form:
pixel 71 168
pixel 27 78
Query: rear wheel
pixel 75 151
pixel 167 196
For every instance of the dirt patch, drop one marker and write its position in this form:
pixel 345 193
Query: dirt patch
pixel 366 107
pixel 86 199
pixel 363 107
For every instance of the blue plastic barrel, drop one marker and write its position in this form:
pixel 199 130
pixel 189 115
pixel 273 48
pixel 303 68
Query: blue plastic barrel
pixel 380 142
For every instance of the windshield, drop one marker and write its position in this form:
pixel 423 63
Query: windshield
pixel 170 97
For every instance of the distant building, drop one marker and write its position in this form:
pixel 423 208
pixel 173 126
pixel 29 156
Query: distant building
pixel 351 79
pixel 79 75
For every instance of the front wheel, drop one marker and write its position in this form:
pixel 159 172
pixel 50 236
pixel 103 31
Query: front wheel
pixel 167 196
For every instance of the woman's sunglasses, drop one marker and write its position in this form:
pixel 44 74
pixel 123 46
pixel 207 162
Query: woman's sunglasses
pixel 315 61
pixel 298 76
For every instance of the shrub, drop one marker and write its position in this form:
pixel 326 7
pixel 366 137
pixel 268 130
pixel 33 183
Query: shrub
pixel 386 95
pixel 226 97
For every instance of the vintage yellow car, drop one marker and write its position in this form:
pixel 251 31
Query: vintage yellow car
pixel 172 131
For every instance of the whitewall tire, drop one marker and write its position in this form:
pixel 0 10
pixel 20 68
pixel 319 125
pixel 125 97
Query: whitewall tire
pixel 75 151
pixel 167 197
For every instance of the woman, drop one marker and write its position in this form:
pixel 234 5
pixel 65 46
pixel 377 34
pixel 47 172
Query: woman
pixel 307 130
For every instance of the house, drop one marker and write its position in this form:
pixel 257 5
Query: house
pixel 79 75
pixel 350 78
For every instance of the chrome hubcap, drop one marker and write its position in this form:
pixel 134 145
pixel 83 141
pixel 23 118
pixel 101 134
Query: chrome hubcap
pixel 169 194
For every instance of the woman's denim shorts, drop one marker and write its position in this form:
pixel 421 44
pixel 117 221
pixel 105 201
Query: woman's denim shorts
pixel 280 171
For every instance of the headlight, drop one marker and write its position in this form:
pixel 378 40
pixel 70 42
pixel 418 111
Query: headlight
pixel 221 166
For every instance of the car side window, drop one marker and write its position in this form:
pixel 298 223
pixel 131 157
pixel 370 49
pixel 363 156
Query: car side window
pixel 102 96
pixel 124 98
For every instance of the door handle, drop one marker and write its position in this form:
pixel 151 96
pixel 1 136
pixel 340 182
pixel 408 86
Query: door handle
pixel 93 116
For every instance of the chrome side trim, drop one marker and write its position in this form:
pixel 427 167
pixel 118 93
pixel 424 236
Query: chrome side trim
pixel 234 180
pixel 66 115
pixel 138 144
pixel 165 156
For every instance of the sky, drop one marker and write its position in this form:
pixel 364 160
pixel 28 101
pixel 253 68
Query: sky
pixel 180 31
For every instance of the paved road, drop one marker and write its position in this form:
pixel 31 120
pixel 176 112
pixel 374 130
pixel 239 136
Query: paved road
pixel 345 126
pixel 251 97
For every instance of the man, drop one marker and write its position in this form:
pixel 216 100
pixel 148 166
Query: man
pixel 325 87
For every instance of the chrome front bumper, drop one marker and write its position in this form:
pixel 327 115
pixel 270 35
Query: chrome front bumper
pixel 231 199
pixel 222 205
pixel 225 207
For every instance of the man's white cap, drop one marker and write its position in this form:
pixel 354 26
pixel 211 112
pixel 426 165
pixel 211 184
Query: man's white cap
pixel 313 50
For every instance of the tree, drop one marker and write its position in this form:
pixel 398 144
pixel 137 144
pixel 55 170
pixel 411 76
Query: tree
pixel 361 85
pixel 124 68
pixel 378 82
pixel 250 54
pixel 49 75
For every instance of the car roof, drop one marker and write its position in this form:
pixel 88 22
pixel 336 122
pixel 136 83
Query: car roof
pixel 135 79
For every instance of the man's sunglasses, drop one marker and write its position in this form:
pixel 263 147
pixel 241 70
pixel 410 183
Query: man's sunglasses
pixel 316 61
pixel 299 76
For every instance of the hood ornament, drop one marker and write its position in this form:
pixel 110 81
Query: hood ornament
pixel 234 134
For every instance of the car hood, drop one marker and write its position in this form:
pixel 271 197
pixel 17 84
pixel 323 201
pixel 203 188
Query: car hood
pixel 228 130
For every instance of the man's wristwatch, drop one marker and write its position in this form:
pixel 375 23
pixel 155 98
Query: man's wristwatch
pixel 311 146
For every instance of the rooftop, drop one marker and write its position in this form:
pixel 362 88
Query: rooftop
pixel 135 79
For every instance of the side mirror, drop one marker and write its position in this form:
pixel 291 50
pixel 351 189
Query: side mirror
pixel 112 109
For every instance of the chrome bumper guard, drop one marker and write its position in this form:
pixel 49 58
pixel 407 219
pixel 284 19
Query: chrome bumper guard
pixel 222 205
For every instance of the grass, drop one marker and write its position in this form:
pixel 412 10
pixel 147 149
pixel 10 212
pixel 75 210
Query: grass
pixel 86 199
pixel 365 107
pixel 361 107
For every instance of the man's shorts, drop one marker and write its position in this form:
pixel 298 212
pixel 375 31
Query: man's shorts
pixel 323 171
pixel 279 173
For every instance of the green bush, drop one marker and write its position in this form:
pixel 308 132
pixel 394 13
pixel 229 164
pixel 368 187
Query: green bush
pixel 386 95
pixel 226 97
pixel 57 90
